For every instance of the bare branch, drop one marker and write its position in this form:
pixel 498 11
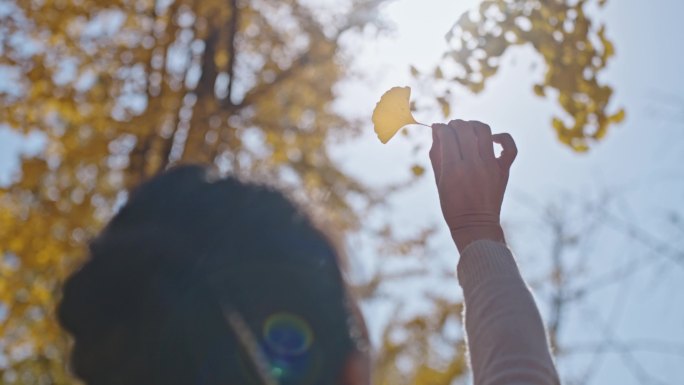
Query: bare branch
pixel 232 31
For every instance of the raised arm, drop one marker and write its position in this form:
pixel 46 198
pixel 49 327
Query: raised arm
pixel 506 335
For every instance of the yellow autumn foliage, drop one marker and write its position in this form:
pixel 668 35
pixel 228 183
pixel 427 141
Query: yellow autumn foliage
pixel 120 90
pixel 575 49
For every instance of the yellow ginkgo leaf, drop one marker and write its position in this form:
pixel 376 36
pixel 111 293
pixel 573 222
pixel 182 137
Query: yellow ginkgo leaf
pixel 392 113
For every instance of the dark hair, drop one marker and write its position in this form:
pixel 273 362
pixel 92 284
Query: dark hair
pixel 149 305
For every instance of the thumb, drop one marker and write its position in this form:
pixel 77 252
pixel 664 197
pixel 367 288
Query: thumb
pixel 510 151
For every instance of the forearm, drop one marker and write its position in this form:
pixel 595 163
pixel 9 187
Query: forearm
pixel 506 336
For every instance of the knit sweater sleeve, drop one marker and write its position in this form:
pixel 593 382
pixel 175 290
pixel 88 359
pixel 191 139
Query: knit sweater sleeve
pixel 506 336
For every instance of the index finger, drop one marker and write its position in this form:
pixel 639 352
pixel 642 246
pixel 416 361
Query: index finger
pixel 450 148
pixel 436 153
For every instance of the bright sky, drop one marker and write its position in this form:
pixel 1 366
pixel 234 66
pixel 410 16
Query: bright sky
pixel 638 163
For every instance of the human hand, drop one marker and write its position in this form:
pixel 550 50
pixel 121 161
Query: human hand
pixel 471 181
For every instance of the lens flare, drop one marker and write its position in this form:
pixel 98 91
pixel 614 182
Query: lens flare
pixel 288 342
pixel 287 334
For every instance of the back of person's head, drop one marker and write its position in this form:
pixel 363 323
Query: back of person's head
pixel 205 282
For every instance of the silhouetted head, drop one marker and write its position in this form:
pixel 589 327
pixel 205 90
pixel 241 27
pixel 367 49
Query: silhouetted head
pixel 212 282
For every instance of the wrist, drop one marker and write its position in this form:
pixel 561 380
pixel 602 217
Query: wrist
pixel 464 236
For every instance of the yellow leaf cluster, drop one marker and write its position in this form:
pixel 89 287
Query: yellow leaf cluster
pixel 575 52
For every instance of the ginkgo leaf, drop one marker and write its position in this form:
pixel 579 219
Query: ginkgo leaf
pixel 392 113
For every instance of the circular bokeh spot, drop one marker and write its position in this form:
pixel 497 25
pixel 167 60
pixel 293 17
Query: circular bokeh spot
pixel 287 334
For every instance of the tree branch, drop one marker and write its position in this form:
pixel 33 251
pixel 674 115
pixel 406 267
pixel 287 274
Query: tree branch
pixel 232 31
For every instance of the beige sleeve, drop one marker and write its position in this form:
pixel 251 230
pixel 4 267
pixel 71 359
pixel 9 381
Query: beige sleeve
pixel 506 336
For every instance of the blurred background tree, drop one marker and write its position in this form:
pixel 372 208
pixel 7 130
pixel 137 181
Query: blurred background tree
pixel 574 48
pixel 119 90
